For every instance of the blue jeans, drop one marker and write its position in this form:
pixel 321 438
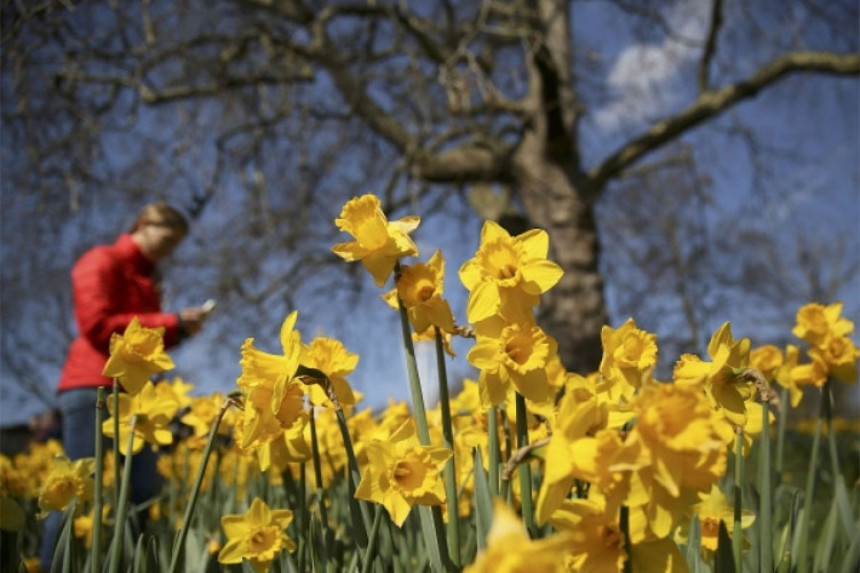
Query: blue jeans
pixel 78 410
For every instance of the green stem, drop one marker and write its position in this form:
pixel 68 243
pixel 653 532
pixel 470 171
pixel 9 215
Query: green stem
pixel 809 492
pixel 122 506
pixel 98 500
pixel 831 433
pixel 371 546
pixel 357 507
pixel 303 518
pixel 493 446
pixel 524 470
pixel 738 532
pixel 453 529
pixel 318 476
pixel 765 510
pixel 117 478
pixel 780 436
pixel 195 490
pixel 431 518
pixel 418 408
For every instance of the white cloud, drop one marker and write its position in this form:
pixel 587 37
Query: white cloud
pixel 642 78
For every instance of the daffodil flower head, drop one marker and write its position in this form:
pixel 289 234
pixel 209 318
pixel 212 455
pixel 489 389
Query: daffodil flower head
pixel 712 511
pixel 719 377
pixel 767 359
pixel 628 353
pixel 597 542
pixel 420 287
pixel 151 415
pixel 258 536
pixel 66 480
pixel 510 550
pixel 508 274
pixel 840 356
pixel 785 378
pixel 203 413
pixel 271 392
pixel 378 243
pixel 512 356
pixel 401 473
pixel 330 356
pixel 137 354
pixel 677 429
pixel 816 323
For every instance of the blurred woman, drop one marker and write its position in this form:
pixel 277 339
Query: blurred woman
pixel 111 284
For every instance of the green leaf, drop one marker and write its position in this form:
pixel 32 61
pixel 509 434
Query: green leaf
pixel 62 561
pixel 851 562
pixel 431 539
pixel 483 502
pixel 138 560
pixel 694 540
pixel 844 507
pixel 827 540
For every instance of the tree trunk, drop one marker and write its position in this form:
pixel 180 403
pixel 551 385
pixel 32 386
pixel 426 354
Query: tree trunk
pixel 574 311
pixel 557 195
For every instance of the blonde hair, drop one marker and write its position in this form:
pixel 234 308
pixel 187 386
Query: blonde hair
pixel 161 213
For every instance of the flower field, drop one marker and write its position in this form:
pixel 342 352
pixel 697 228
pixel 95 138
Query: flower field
pixel 528 468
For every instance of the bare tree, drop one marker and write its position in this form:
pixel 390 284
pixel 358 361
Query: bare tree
pixel 300 104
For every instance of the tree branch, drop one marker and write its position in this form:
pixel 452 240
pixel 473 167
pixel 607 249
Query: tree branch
pixel 713 102
pixel 710 45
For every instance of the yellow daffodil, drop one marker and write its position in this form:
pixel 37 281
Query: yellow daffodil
pixel 152 415
pixel 567 455
pixel 713 510
pixel 596 541
pixel 508 274
pixel 179 389
pixel 257 536
pixel 378 243
pixel 275 445
pixel 509 549
pixel 420 287
pixel 330 357
pixel 628 353
pixel 512 356
pixel 816 323
pixel 784 377
pixel 401 473
pixel 719 377
pixel 840 355
pixel 137 354
pixel 677 430
pixel 767 359
pixel 267 379
pixel 812 373
pixel 203 413
pixel 67 480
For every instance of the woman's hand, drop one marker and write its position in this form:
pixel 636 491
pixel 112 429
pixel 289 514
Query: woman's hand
pixel 192 319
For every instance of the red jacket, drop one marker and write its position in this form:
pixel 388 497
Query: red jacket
pixel 111 284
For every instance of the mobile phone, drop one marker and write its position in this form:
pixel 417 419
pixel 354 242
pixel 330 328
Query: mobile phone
pixel 209 306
